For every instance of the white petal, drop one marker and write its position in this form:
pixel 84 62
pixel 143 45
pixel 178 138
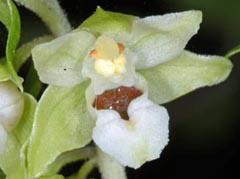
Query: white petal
pixel 133 142
pixel 59 62
pixel 11 105
pixel 3 139
pixel 156 39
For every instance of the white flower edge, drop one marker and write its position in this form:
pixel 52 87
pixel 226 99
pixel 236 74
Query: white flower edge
pixel 136 141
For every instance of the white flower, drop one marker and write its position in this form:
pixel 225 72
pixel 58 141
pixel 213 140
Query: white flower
pixel 11 108
pixel 110 49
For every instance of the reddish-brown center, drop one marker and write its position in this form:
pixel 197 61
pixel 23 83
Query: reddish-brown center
pixel 117 99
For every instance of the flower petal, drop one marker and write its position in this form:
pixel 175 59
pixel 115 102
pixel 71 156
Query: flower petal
pixel 61 124
pixel 156 39
pixel 11 105
pixel 133 142
pixel 184 74
pixel 59 62
pixel 3 139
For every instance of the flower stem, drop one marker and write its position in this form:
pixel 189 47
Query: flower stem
pixel 86 168
pixel 110 168
pixel 233 52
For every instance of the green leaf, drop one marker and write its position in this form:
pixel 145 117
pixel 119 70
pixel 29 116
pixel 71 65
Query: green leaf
pixel 32 84
pixel 24 52
pixel 12 161
pixel 108 22
pixel 51 13
pixel 52 177
pixel 184 74
pixel 62 123
pixel 5 13
pixel 59 62
pixel 233 52
pixel 2 175
pixel 4 74
pixel 10 18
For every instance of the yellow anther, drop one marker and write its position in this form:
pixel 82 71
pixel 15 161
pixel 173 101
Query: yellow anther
pixel 109 58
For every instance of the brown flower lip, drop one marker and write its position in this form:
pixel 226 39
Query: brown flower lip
pixel 117 99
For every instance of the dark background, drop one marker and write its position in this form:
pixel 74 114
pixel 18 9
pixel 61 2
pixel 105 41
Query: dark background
pixel 204 125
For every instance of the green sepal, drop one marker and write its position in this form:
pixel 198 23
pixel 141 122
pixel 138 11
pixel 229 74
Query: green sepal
pixel 61 124
pixel 59 62
pixel 24 51
pixel 52 177
pixel 184 74
pixel 106 22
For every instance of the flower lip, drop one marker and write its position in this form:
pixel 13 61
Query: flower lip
pixel 117 99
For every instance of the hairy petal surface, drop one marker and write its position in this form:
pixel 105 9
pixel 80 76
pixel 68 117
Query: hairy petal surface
pixel 156 39
pixel 51 13
pixel 59 62
pixel 61 124
pixel 184 74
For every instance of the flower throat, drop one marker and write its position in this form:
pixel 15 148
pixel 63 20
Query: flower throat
pixel 117 99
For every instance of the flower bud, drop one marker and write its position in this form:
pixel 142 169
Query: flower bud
pixel 11 105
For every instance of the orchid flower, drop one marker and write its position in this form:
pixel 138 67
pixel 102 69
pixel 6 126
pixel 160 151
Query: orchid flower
pixel 11 109
pixel 123 56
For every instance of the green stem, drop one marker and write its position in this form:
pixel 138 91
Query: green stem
pixel 72 156
pixel 51 13
pixel 233 52
pixel 86 168
pixel 110 168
